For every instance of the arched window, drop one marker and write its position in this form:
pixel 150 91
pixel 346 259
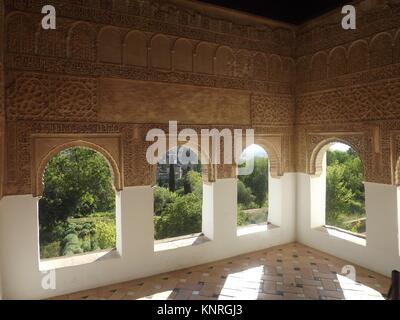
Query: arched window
pixel 252 188
pixel 178 195
pixel 77 209
pixel 345 198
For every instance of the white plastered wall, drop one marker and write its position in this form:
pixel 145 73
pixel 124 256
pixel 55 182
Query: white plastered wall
pixel 19 246
pixel 380 251
pixel 19 249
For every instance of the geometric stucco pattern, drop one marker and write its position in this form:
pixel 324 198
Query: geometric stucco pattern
pixel 134 168
pixel 267 109
pixel 19 149
pixel 299 88
pixel 45 147
pixel 369 141
pixel 325 33
pixel 317 141
pixel 347 83
pixel 173 18
pixel 47 97
pixel 377 101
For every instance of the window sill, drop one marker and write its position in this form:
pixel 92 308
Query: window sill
pixel 77 260
pixel 343 234
pixel 257 228
pixel 180 242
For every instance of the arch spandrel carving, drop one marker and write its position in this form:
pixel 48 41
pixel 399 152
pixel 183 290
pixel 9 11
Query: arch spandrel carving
pixel 46 147
pixel 367 94
pixel 321 143
pixel 273 146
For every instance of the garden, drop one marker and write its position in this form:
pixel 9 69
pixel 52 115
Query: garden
pixel 77 209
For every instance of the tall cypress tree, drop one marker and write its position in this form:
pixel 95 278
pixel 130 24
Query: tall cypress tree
pixel 171 182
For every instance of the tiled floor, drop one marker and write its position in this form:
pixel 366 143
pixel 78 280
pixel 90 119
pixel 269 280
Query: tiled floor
pixel 292 271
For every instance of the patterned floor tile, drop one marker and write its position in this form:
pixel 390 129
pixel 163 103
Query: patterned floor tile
pixel 288 272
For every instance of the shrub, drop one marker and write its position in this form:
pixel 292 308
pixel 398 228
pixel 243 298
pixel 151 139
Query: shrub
pixel 71 245
pixel 50 251
pixel 181 217
pixel 77 182
pixel 242 217
pixel 86 245
pixel 162 198
pixel 105 235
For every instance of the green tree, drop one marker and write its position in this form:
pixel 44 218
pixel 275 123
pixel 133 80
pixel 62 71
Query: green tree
pixel 242 218
pixel 195 182
pixel 338 196
pixel 162 198
pixel 105 233
pixel 171 179
pixel 77 182
pixel 244 195
pixel 186 184
pixel 71 245
pixel 257 181
pixel 181 217
pixel 345 199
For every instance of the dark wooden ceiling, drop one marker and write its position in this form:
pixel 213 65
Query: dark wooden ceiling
pixel 292 11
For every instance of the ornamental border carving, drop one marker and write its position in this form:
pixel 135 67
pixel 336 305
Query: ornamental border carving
pixel 318 144
pixel 321 33
pixel 45 147
pixel 153 17
pixel 272 144
pixel 30 63
pixel 297 119
pixel 28 139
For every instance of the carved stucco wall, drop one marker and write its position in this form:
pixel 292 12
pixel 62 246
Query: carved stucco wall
pixel 124 67
pixel 348 88
pixel 98 72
